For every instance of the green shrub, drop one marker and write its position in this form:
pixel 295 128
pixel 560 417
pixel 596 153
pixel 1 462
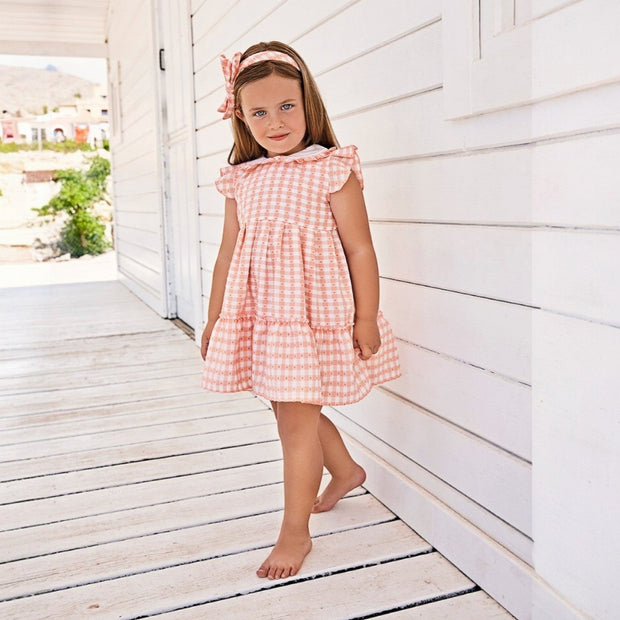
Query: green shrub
pixel 84 232
pixel 68 146
pixel 10 147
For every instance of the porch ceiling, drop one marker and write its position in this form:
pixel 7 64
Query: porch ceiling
pixel 54 27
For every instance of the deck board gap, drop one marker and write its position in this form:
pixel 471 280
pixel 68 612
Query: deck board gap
pixel 90 386
pixel 142 426
pixel 138 413
pixel 115 402
pixel 354 493
pixel 142 443
pixel 148 458
pixel 135 483
pixel 428 601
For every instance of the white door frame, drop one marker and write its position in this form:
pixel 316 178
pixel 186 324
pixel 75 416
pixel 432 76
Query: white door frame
pixel 174 238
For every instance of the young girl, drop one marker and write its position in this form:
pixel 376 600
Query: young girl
pixel 294 307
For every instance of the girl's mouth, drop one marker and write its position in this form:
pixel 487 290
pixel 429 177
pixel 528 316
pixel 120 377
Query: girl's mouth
pixel 278 138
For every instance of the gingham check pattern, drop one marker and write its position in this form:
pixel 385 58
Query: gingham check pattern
pixel 286 322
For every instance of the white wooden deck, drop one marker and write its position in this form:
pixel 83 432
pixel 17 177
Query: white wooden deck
pixel 127 492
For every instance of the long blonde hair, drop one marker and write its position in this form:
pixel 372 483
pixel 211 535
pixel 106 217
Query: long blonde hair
pixel 318 126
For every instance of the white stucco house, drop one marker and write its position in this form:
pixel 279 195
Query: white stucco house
pixel 489 132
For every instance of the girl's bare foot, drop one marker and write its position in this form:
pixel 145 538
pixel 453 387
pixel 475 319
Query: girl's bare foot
pixel 286 558
pixel 338 488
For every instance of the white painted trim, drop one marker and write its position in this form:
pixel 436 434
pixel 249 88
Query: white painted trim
pixel 192 174
pixel 192 177
pixel 168 308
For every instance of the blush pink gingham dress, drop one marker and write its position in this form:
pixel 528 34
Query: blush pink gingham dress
pixel 285 329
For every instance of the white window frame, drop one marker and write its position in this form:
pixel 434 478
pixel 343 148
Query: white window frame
pixel 570 46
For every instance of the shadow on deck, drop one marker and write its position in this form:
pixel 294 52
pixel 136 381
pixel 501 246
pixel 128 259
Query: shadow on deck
pixel 127 492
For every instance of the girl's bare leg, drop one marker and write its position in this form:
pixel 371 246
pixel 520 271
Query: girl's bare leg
pixel 303 469
pixel 346 473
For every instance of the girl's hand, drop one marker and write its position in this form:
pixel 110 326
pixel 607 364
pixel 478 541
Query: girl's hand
pixel 206 336
pixel 366 338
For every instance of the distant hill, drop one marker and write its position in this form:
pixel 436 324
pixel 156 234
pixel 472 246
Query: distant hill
pixel 26 89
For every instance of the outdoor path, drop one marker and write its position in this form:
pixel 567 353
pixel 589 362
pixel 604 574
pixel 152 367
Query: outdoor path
pixel 128 492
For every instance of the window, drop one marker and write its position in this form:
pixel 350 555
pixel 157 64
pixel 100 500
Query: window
pixel 506 53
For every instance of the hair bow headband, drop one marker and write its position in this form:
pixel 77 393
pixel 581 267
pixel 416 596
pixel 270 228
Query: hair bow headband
pixel 233 67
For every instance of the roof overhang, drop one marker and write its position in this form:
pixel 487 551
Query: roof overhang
pixel 54 27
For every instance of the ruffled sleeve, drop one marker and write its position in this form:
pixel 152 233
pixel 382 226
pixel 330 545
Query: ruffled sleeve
pixel 341 162
pixel 225 184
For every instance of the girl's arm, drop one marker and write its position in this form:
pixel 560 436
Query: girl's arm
pixel 220 270
pixel 351 218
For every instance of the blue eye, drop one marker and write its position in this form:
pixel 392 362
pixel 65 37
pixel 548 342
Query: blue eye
pixel 287 106
pixel 259 113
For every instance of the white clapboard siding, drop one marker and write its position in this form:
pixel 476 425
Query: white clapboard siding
pixel 465 462
pixel 492 335
pixel 486 404
pixel 362 27
pixel 365 82
pixel 490 187
pixel 497 186
pixel 136 167
pixel 488 262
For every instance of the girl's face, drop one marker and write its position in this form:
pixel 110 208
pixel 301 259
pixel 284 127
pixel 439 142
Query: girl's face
pixel 273 110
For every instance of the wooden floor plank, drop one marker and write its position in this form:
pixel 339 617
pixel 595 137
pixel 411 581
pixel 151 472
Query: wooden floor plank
pixel 127 348
pixel 109 410
pixel 227 414
pixel 94 376
pixel 179 586
pixel 373 590
pixel 29 404
pixel 140 555
pixel 133 452
pixel 111 439
pixel 474 606
pixel 201 499
pixel 123 487
pixel 125 473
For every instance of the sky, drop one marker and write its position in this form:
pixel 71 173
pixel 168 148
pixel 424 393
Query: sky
pixel 93 69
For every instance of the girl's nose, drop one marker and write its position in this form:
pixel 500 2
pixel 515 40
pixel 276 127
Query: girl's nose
pixel 276 120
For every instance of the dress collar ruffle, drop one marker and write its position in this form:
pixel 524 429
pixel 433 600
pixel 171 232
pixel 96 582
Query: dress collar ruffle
pixel 310 153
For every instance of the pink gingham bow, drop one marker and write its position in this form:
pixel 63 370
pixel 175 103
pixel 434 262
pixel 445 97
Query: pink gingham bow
pixel 233 67
pixel 230 69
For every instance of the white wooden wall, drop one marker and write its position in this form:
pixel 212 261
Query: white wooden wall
pixel 494 210
pixel 136 151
